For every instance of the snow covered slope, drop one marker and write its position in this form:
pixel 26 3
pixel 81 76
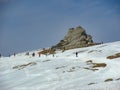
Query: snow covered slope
pixel 95 68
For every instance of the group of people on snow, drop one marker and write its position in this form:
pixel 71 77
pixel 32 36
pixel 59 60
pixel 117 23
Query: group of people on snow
pixel 39 54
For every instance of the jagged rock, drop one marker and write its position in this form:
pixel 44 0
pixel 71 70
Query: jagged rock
pixel 75 38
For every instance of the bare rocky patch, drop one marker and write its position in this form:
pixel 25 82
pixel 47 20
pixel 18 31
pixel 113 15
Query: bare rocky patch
pixel 60 67
pixel 90 69
pixel 89 62
pixel 91 83
pixel 94 66
pixel 98 65
pixel 66 69
pixel 118 79
pixel 46 61
pixel 95 51
pixel 117 55
pixel 108 80
pixel 19 67
pixel 90 66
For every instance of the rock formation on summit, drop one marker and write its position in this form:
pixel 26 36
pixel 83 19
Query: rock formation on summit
pixel 75 38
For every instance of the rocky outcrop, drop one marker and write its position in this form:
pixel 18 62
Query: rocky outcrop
pixel 75 38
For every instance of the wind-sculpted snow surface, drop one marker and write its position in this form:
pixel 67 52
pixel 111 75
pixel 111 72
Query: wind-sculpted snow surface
pixel 91 70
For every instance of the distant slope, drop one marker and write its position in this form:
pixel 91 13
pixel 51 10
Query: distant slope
pixel 91 70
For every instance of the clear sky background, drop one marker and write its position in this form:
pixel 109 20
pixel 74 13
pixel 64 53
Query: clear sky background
pixel 33 24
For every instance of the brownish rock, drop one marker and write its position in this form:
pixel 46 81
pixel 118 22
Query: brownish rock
pixel 75 38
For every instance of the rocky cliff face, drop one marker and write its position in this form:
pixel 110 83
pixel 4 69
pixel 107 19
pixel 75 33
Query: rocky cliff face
pixel 75 38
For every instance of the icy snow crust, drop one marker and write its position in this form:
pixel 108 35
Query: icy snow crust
pixel 64 71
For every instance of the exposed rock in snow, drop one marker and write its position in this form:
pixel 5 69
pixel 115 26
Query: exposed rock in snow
pixel 75 38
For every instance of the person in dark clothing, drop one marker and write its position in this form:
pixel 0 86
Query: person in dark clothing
pixel 76 54
pixel 14 54
pixel 33 54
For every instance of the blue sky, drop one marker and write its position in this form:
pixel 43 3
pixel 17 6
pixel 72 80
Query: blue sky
pixel 32 24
